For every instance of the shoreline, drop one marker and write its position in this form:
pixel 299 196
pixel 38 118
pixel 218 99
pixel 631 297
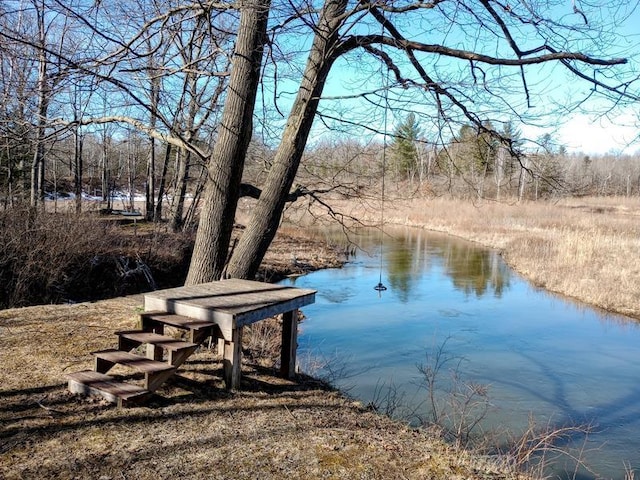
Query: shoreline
pixel 271 428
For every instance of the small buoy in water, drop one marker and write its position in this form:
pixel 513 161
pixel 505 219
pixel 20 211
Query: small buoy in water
pixel 380 287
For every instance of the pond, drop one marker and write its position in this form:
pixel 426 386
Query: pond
pixel 538 355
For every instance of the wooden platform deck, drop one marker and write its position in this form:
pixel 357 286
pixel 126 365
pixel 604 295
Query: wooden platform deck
pixel 229 303
pixel 217 310
pixel 232 304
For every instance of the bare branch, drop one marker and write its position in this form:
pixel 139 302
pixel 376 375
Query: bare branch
pixel 251 191
pixel 354 42
pixel 138 125
pixel 390 8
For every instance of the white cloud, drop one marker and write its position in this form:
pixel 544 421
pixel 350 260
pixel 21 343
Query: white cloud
pixel 582 133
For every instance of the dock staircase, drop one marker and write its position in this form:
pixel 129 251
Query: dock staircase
pixel 163 356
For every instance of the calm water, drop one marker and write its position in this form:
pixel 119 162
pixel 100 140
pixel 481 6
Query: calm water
pixel 538 354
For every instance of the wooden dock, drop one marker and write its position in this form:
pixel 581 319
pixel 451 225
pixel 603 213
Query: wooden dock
pixel 232 304
pixel 216 309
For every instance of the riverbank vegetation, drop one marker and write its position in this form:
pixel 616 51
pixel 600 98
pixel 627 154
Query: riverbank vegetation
pixel 62 256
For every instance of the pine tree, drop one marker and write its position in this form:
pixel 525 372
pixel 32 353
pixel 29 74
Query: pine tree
pixel 404 151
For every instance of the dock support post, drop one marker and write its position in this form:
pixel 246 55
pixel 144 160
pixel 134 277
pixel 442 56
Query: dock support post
pixel 232 360
pixel 289 344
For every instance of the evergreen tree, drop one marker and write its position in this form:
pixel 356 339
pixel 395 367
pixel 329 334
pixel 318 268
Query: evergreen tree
pixel 404 151
pixel 475 149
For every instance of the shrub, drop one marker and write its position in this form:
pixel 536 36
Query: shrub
pixel 50 258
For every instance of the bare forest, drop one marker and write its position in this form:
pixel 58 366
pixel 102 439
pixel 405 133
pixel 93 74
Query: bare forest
pixel 181 111
pixel 147 144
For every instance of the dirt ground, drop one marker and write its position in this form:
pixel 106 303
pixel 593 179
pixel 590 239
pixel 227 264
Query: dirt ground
pixel 193 427
pixel 296 252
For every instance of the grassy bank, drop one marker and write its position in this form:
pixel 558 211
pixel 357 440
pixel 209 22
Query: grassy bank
pixel 271 428
pixel 194 428
pixel 585 248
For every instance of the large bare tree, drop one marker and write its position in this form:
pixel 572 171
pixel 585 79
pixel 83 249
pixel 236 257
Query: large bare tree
pixel 410 62
pixel 227 159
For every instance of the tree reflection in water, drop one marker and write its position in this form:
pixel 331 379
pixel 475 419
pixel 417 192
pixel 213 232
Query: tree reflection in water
pixel 473 271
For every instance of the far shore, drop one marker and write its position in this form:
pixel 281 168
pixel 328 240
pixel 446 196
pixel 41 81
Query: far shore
pixel 584 248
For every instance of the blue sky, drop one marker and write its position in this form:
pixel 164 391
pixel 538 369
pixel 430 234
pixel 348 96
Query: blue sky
pixel 579 130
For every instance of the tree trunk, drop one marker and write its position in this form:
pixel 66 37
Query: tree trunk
pixel 150 184
pixel 195 200
pixel 37 189
pixel 157 214
pixel 132 153
pixel 8 201
pixel 77 168
pixel 262 226
pixel 150 189
pixel 227 159
pixel 523 180
pixel 37 166
pixel 104 164
pixel 183 160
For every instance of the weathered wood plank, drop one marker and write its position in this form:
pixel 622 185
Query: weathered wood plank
pixel 178 321
pixel 232 360
pixel 153 380
pixel 141 364
pixel 230 305
pixel 168 343
pixel 123 394
pixel 198 330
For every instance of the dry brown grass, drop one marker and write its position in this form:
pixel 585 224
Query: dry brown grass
pixel 50 258
pixel 585 248
pixel 272 428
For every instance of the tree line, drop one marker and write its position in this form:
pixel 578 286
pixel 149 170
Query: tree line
pixel 184 92
pixel 474 164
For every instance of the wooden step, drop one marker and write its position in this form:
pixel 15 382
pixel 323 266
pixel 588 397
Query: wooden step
pixel 198 330
pixel 141 364
pixel 95 383
pixel 155 372
pixel 178 350
pixel 178 321
pixel 138 337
